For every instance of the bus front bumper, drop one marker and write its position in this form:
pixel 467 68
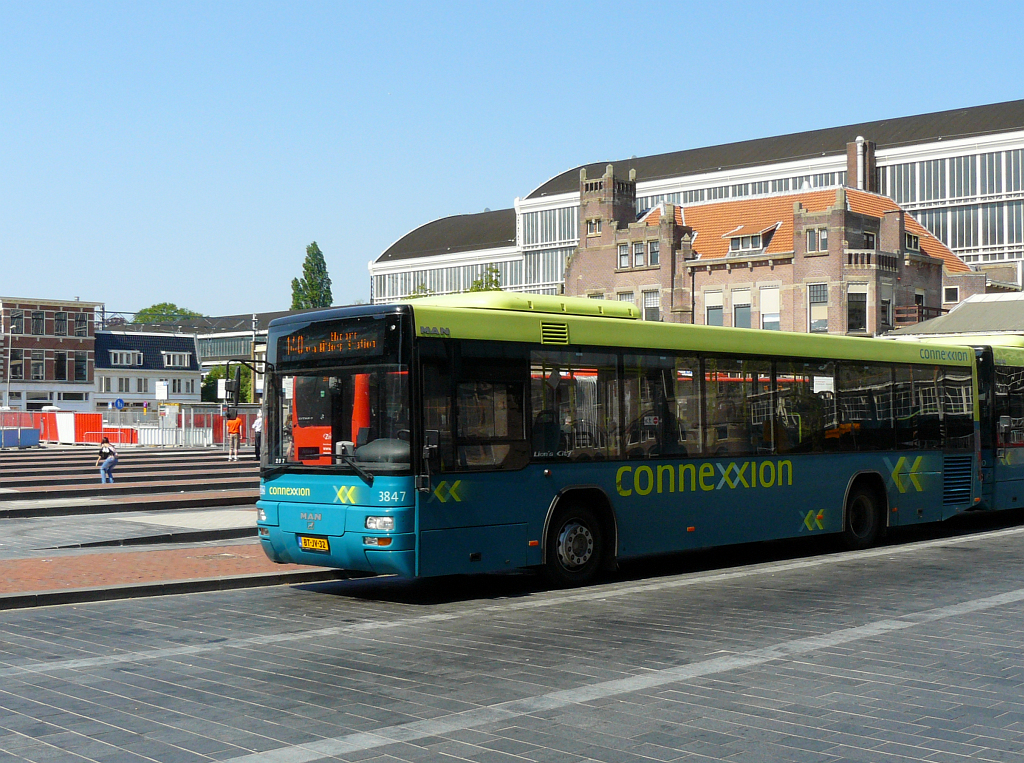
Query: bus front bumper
pixel 346 552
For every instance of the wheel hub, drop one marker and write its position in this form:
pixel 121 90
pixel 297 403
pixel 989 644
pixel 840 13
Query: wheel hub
pixel 575 545
pixel 861 519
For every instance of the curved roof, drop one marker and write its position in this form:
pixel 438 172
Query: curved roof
pixel 459 233
pixel 886 133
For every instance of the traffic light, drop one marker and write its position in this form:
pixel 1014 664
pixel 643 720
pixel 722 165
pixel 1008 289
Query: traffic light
pixel 233 386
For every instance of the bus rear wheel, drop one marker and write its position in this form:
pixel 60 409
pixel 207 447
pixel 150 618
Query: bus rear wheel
pixel 575 547
pixel 863 524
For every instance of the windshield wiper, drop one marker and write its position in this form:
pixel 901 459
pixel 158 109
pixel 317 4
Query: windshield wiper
pixel 364 475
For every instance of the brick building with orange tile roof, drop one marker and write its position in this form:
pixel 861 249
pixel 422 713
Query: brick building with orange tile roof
pixel 838 261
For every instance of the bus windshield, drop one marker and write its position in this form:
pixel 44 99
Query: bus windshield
pixel 352 419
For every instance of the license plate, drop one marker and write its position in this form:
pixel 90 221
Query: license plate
pixel 321 545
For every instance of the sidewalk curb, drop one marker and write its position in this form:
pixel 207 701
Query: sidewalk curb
pixel 165 588
pixel 180 501
pixel 188 536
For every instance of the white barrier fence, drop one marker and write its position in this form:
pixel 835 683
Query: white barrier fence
pixel 193 437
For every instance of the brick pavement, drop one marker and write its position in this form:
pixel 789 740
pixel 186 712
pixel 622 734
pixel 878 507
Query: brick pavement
pixel 125 568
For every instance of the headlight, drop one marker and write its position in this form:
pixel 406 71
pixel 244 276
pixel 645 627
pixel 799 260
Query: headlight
pixel 387 524
pixel 261 515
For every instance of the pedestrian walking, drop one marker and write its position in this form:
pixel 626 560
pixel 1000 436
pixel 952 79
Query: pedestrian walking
pixel 106 461
pixel 257 432
pixel 235 426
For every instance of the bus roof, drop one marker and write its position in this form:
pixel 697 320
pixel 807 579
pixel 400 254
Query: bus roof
pixel 1007 349
pixel 563 322
pixel 534 303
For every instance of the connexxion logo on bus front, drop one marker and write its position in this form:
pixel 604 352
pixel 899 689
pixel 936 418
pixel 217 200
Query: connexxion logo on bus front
pixel 290 491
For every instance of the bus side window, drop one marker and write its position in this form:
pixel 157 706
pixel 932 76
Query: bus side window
pixel 1009 406
pixel 490 406
pixel 661 404
pixel 958 409
pixel 574 406
pixel 737 406
pixel 865 407
pixel 804 408
pixel 491 431
pixel 928 405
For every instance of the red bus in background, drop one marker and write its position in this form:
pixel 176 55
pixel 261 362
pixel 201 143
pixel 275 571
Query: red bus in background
pixel 314 423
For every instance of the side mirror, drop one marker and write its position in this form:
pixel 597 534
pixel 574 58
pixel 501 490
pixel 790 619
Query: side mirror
pixel 233 387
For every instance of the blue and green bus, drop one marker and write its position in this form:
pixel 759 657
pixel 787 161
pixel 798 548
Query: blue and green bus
pixel 495 431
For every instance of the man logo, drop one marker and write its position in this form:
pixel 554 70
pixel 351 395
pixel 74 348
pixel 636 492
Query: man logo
pixel 435 331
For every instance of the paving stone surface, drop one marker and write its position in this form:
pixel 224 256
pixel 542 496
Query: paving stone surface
pixel 909 652
pixel 38 536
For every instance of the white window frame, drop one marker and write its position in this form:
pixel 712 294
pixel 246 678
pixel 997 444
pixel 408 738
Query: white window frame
pixel 651 298
pixel 177 359
pixel 810 318
pixel 125 358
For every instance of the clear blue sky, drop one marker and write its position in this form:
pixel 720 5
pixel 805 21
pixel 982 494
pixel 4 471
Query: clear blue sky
pixel 188 152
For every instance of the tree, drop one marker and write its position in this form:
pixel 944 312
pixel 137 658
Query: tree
pixel 421 290
pixel 164 312
pixel 209 390
pixel 314 289
pixel 489 281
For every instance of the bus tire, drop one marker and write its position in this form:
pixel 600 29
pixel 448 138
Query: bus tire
pixel 862 524
pixel 575 547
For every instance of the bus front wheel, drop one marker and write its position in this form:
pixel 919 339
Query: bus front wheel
pixel 575 547
pixel 863 523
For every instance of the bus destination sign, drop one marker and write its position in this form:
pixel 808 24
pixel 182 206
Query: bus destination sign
pixel 332 341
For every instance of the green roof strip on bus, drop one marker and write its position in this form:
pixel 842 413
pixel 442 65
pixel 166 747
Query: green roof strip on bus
pixel 1007 349
pixel 460 317
pixel 973 340
pixel 535 303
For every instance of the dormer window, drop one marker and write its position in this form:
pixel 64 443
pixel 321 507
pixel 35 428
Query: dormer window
pixel 125 358
pixel 745 243
pixel 913 242
pixel 177 359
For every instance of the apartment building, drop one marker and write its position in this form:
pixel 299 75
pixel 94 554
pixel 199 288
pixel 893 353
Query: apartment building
pixel 47 353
